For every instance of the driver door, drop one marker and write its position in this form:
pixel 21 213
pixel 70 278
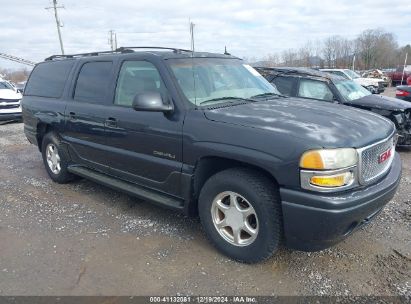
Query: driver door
pixel 145 147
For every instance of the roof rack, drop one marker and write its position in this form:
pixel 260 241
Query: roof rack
pixel 128 49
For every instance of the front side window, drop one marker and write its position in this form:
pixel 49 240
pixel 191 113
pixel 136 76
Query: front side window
pixel 315 89
pixel 93 81
pixel 135 78
pixel 213 80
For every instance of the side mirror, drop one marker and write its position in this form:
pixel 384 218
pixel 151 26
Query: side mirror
pixel 151 102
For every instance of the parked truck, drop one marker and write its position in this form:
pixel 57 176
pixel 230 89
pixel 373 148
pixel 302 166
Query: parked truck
pixel 397 77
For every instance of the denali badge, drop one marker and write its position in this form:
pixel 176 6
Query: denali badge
pixel 384 156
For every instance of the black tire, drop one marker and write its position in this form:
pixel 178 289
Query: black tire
pixel 262 193
pixel 63 176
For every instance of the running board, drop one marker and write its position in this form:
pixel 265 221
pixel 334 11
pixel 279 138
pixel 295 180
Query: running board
pixel 127 187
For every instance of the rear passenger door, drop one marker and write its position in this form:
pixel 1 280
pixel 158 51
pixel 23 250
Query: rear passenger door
pixel 145 147
pixel 87 114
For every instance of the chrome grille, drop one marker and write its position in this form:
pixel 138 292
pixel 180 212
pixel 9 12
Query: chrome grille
pixel 370 167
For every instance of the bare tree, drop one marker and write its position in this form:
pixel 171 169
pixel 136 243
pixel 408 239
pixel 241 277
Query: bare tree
pixel 289 57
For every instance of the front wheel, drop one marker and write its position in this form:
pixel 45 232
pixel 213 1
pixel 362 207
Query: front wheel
pixel 241 214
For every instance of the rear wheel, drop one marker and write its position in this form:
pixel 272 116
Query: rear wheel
pixel 241 214
pixel 55 159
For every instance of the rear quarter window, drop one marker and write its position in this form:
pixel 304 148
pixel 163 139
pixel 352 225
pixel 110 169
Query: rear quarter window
pixel 48 79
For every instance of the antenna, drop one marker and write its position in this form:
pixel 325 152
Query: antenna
pixel 58 22
pixel 225 51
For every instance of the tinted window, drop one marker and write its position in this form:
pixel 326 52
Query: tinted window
pixel 314 89
pixel 48 79
pixel 137 77
pixel 93 81
pixel 284 84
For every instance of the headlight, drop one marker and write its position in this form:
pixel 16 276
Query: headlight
pixel 329 169
pixel 329 159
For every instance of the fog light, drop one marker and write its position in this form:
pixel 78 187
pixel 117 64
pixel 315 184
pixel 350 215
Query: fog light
pixel 331 181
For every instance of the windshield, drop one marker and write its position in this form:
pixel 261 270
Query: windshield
pixel 351 90
pixel 5 86
pixel 352 74
pixel 213 80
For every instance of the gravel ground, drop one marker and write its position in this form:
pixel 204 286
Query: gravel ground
pixel 85 239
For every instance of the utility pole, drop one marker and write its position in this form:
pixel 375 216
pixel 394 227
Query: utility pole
pixel 403 70
pixel 58 23
pixel 353 62
pixel 192 35
pixel 112 40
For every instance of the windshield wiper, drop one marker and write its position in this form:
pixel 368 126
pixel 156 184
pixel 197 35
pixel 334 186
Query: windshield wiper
pixel 224 98
pixel 267 94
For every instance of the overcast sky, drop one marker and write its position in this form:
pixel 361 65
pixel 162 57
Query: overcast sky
pixel 247 28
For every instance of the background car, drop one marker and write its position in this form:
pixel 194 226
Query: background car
pixel 20 86
pixel 312 84
pixel 397 75
pixel 10 108
pixel 377 74
pixel 403 92
pixel 373 85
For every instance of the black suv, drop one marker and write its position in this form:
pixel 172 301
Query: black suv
pixel 207 134
pixel 316 85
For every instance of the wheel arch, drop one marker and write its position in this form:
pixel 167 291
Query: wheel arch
pixel 208 166
pixel 41 130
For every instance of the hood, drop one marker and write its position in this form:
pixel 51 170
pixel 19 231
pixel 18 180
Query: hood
pixel 9 94
pixel 319 124
pixel 367 81
pixel 381 102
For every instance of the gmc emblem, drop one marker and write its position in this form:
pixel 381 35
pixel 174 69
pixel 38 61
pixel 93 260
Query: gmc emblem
pixel 384 156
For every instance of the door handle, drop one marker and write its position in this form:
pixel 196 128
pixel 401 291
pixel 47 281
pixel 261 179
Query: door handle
pixel 111 122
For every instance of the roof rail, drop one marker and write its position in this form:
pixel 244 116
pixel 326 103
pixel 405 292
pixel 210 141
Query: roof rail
pixel 81 55
pixel 128 49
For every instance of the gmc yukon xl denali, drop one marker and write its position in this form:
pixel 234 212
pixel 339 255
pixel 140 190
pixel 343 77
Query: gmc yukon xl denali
pixel 208 135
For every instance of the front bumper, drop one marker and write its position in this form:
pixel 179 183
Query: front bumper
pixel 10 111
pixel 314 221
pixel 10 116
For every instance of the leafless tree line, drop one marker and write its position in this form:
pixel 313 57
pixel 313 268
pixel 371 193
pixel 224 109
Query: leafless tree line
pixel 373 48
pixel 15 75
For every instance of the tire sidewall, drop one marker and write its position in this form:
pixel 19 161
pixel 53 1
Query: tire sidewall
pixel 63 176
pixel 269 234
